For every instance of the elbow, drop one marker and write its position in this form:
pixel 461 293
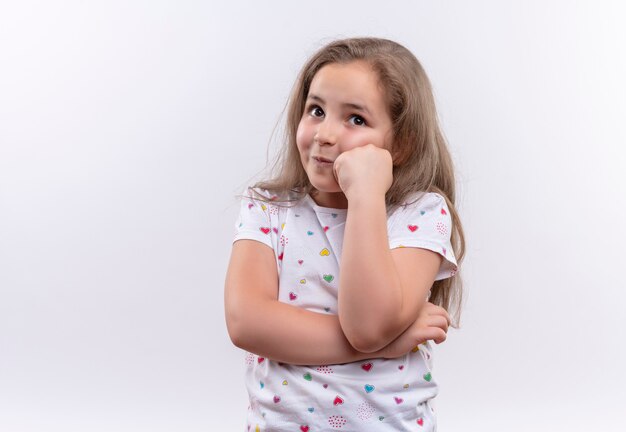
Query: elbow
pixel 236 338
pixel 235 326
pixel 368 339
pixel 234 333
pixel 365 345
pixel 240 318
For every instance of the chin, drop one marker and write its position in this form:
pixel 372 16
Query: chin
pixel 326 187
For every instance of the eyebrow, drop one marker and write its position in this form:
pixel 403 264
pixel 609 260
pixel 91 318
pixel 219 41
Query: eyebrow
pixel 354 106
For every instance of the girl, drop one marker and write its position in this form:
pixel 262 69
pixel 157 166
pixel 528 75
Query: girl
pixel 336 257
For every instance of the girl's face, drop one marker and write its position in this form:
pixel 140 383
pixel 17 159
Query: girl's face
pixel 345 108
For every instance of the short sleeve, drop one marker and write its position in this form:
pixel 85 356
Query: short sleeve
pixel 425 223
pixel 254 221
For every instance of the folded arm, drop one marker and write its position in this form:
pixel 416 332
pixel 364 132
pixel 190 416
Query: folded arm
pixel 257 322
pixel 381 291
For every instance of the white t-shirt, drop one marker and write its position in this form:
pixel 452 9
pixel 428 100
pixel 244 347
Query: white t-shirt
pixel 370 395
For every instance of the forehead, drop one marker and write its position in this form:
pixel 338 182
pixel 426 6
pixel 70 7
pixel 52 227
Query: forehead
pixel 348 82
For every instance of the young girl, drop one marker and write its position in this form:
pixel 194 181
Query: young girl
pixel 336 258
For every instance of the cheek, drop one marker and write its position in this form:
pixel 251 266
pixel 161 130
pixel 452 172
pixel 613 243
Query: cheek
pixel 380 139
pixel 302 137
pixel 359 140
pixel 388 140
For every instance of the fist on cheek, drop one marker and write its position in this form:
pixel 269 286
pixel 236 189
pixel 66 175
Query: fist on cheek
pixel 364 170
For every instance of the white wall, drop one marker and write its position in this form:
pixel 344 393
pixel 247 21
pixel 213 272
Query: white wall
pixel 126 128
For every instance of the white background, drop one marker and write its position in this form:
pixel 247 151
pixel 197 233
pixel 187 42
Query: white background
pixel 126 129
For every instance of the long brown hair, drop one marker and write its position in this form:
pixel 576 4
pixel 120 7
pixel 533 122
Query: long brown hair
pixel 421 160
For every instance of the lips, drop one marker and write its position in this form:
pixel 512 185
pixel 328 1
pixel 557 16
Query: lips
pixel 322 159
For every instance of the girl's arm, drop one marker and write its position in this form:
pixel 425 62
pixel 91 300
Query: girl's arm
pixel 257 322
pixel 381 291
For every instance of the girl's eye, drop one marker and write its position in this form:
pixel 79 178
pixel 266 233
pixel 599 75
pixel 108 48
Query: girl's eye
pixel 316 111
pixel 357 120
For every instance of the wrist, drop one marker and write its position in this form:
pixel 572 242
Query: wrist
pixel 365 197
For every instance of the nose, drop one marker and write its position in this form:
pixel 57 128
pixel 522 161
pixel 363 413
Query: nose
pixel 326 133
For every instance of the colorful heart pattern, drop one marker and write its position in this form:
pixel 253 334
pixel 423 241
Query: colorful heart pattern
pixel 415 227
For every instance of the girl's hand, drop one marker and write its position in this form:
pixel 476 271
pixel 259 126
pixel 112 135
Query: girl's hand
pixel 431 324
pixel 364 171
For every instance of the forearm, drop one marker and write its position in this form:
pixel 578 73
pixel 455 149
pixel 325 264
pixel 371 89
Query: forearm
pixel 370 296
pixel 290 334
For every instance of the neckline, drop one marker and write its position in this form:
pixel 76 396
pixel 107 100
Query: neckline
pixel 320 209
